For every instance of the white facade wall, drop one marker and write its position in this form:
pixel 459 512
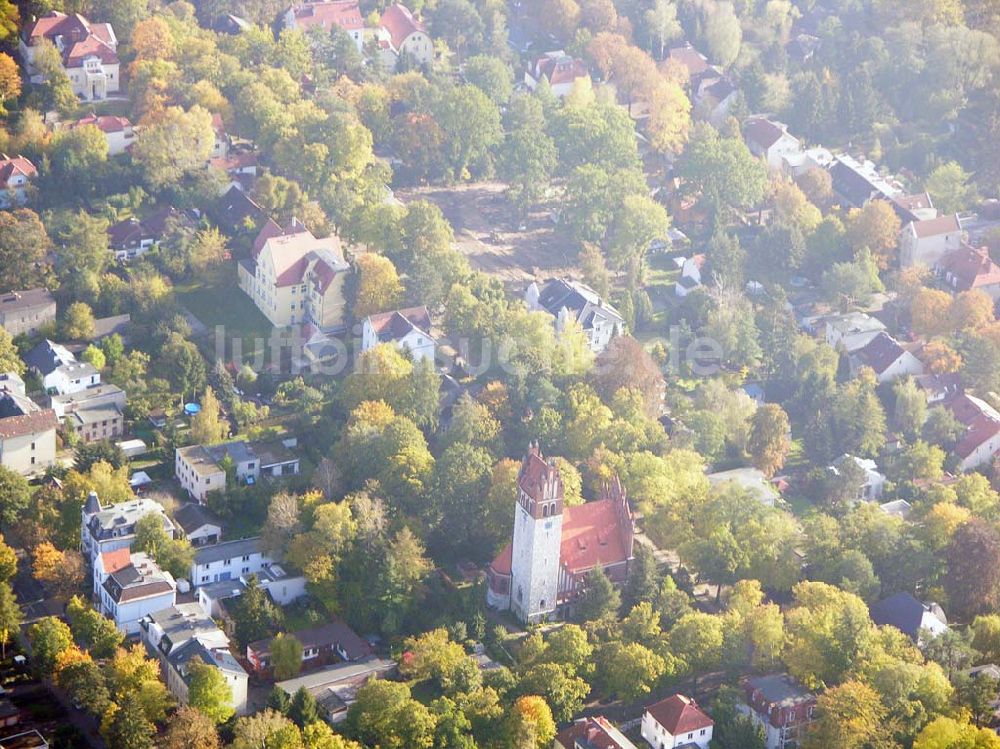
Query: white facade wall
pixel 127 615
pixel 535 565
pixel 229 569
pixel 29 454
pixel 927 251
pixel 659 738
pixel 905 365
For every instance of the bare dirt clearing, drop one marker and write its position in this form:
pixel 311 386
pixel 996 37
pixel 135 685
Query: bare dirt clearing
pixel 487 232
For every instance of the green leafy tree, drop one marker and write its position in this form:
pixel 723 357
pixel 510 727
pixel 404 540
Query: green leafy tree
pixel 49 637
pixel 10 615
pixel 209 691
pixel 95 632
pixel 303 710
pixel 15 496
pixel 599 599
pixel 722 170
pixel 951 188
pixel 768 443
pixel 129 728
pixel 286 656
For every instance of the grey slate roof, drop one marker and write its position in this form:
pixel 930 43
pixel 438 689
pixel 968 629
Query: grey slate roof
pixel 193 516
pixel 48 356
pixel 585 303
pixel 227 550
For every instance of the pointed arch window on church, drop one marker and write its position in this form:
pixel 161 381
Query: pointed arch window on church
pixel 519 594
pixel 545 511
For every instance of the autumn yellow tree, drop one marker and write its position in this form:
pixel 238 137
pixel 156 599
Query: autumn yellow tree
pixel 930 312
pixel 971 310
pixel 208 425
pixel 876 226
pixel 379 288
pixel 10 79
pixel 940 358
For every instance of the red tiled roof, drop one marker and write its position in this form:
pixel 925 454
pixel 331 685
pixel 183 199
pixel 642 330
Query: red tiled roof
pixel 690 58
pixel 970 268
pixel 270 229
pixel 980 420
pixel 345 14
pixel 17 165
pixel 400 23
pixel 396 324
pixel 33 423
pixel 106 123
pixel 218 125
pixel 560 69
pixel 535 474
pixel 679 715
pixel 916 202
pixel 934 227
pixel 592 536
pixel 593 733
pixel 234 161
pixel 57 24
pixel 112 561
pixel 76 53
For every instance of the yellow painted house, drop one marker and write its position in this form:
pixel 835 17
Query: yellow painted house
pixel 295 278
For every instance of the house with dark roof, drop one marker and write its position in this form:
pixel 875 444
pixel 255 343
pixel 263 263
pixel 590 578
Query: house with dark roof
pixel 131 591
pixel 858 182
pixel 927 241
pixel 676 721
pixel 560 70
pixel 771 141
pixel 134 236
pixel 939 387
pixel 25 312
pixel 554 548
pixel 182 633
pixel 59 370
pixel 407 329
pixel 89 52
pixel 887 358
pixel 236 212
pixel 199 524
pixel 111 528
pixel 969 268
pixel 781 706
pixel 27 434
pixel 595 732
pixel 913 618
pixel 16 174
pixel 573 302
pixel 332 642
pixel 295 278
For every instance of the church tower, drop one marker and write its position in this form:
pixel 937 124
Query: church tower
pixel 538 517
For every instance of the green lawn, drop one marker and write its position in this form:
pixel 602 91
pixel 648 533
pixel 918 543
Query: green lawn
pixel 216 299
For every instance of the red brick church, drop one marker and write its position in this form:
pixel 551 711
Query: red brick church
pixel 554 547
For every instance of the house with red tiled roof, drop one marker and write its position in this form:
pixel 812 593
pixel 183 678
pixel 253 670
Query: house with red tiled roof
pixel 781 706
pixel 15 176
pixel 554 548
pixel 117 131
pixel 926 242
pixel 89 52
pixel 887 358
pixel 295 278
pixel 559 69
pixel 408 329
pixel 403 34
pixel 592 733
pixel 916 207
pixel 676 721
pixel 133 589
pixel 328 15
pixel 969 268
pixel 981 440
